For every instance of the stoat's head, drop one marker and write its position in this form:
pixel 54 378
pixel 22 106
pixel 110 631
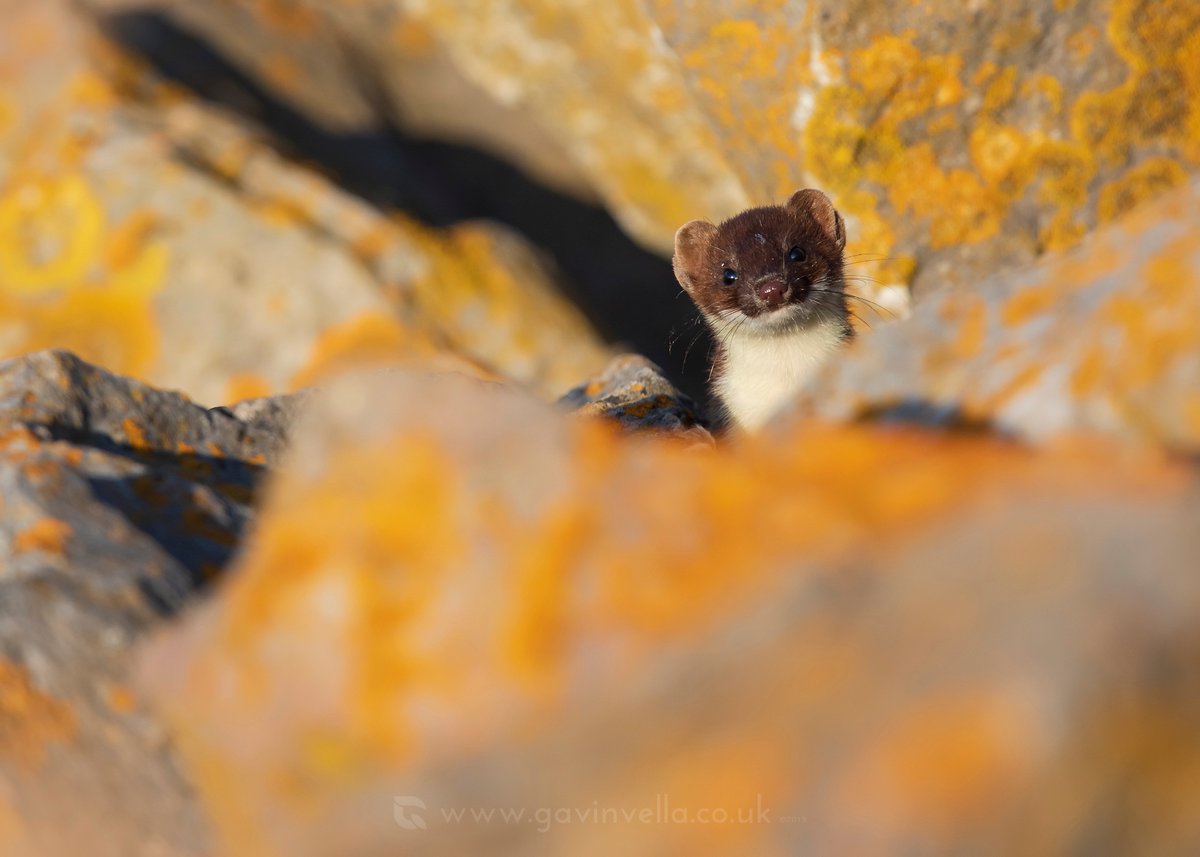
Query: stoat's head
pixel 767 270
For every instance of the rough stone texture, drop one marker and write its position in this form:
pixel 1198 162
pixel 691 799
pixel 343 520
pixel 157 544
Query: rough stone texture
pixel 356 67
pixel 120 503
pixel 605 81
pixel 147 234
pixel 894 639
pixel 958 140
pixel 475 603
pixel 633 392
pixel 1104 339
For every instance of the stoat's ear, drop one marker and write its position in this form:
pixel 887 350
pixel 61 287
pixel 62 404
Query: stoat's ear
pixel 820 209
pixel 691 244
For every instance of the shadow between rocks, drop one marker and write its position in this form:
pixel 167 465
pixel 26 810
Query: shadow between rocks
pixel 195 507
pixel 627 292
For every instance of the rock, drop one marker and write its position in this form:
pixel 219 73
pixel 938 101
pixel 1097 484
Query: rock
pixel 633 392
pixel 121 505
pixel 890 706
pixel 959 141
pixel 464 601
pixel 456 598
pixel 157 237
pixel 1103 339
pixel 352 68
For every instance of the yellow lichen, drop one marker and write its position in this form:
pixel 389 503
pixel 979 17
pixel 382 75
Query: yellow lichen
pixel 46 535
pixel 1026 303
pixel 29 718
pixel 1139 184
pixel 370 339
pixel 135 434
pixel 942 763
pixel 866 132
pixel 68 280
pixel 247 385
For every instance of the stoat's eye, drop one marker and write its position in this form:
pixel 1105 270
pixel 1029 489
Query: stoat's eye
pixel 730 276
pixel 797 254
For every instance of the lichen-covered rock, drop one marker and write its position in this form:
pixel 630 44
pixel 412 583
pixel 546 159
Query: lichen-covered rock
pixel 633 392
pixel 155 237
pixel 606 81
pixel 120 504
pixel 1032 697
pixel 471 602
pixel 352 68
pixel 957 140
pixel 1102 339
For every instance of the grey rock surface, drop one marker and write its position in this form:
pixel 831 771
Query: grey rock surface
pixel 120 505
pixel 1104 339
pixel 634 392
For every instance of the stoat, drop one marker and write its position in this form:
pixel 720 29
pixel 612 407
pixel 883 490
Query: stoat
pixel 769 283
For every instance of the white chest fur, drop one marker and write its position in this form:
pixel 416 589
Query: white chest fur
pixel 764 372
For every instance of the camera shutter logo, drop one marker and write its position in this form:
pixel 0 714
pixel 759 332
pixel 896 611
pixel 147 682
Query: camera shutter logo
pixel 404 811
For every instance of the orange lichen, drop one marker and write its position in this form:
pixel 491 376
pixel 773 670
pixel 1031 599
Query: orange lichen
pixel 866 133
pixel 984 404
pixel 640 409
pixel 47 535
pixel 1083 42
pixel 369 339
pixel 120 698
pixel 1156 40
pixel 1139 184
pixel 134 433
pixel 486 310
pixel 379 238
pixel 1001 90
pixel 538 629
pixel 945 762
pixel 1028 302
pixel 1089 372
pixel 67 281
pixel 392 522
pixel 412 38
pixel 29 718
pixel 972 329
pixel 247 385
pixel 62 215
pixel 858 133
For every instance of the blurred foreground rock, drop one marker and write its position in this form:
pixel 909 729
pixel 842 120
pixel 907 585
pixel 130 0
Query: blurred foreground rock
pixel 120 504
pixel 895 642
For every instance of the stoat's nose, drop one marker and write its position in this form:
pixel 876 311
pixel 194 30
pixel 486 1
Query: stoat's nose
pixel 771 292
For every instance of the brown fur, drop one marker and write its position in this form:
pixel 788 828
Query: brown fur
pixel 755 244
